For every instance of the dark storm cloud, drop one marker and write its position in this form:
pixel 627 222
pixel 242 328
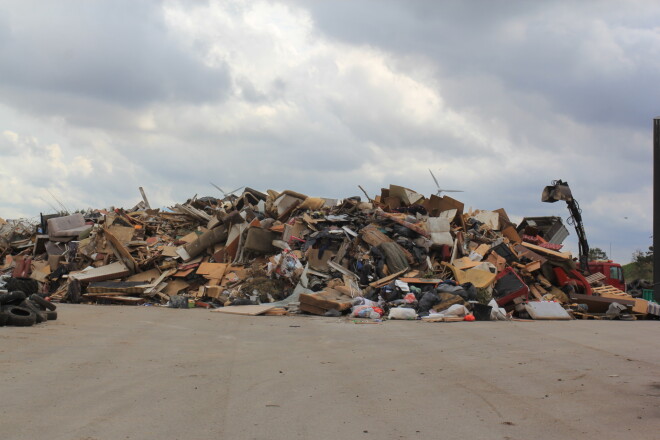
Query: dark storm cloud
pixel 536 47
pixel 117 52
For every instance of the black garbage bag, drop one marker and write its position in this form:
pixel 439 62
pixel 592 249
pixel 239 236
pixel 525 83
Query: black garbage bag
pixel 470 292
pixel 427 302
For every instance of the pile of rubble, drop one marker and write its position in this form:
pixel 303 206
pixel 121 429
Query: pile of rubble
pixel 399 255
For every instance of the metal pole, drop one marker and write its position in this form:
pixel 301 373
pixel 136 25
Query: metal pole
pixel 656 206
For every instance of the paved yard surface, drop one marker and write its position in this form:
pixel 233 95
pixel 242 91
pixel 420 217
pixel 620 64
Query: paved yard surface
pixel 106 372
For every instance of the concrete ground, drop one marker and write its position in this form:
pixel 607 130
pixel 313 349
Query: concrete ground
pixel 111 372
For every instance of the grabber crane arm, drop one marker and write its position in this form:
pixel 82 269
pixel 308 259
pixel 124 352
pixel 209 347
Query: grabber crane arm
pixel 559 190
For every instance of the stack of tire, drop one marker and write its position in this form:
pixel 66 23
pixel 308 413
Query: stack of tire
pixel 18 310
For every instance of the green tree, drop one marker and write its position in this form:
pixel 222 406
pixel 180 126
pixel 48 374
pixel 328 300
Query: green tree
pixel 640 257
pixel 597 254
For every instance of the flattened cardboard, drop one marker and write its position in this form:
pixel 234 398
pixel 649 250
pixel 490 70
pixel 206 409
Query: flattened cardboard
pixel 244 310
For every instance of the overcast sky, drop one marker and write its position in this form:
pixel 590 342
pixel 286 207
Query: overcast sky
pixel 498 98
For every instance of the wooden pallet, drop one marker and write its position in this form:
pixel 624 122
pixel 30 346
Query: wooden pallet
pixel 596 316
pixel 611 290
pixel 602 316
pixel 595 277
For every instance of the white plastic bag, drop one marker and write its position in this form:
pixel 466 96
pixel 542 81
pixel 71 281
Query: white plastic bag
pixel 496 313
pixel 402 313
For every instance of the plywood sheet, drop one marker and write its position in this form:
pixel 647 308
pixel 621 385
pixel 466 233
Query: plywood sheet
pixel 245 310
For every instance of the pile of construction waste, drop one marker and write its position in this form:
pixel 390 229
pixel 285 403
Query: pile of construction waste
pixel 399 255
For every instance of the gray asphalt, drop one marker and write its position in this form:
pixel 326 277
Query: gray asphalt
pixel 110 372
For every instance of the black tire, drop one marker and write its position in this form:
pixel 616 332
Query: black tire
pixel 41 315
pixel 12 298
pixel 3 318
pixel 42 302
pixel 20 316
pixel 27 285
pixel 51 315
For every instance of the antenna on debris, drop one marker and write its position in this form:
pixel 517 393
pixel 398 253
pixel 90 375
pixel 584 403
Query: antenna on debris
pixel 49 204
pixel 440 190
pixel 58 201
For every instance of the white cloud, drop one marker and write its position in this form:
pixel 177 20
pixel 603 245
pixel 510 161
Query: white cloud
pixel 319 99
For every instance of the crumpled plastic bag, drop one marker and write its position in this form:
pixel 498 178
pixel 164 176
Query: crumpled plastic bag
pixel 365 311
pixel 455 310
pixel 497 313
pixel 402 313
pixel 286 265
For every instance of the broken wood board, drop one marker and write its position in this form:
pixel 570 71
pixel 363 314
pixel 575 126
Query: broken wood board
pixel 121 252
pixel 147 276
pixel 327 299
pixel 383 281
pixel 169 251
pixel 103 294
pixel 110 272
pixel 123 299
pixel 124 234
pixel 641 305
pixel 599 304
pixel 208 268
pixel 465 263
pixel 153 286
pixel 174 287
pixel 252 310
pixel 480 278
pixel 548 252
pixel 444 319
pixel 413 280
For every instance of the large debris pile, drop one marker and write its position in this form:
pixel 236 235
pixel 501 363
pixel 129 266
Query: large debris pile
pixel 400 255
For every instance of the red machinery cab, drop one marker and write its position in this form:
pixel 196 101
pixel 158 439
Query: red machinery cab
pixel 612 271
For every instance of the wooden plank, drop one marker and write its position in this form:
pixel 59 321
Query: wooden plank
pixel 534 290
pixel 599 304
pixel 147 276
pixel 641 305
pixel 327 299
pixel 121 252
pixel 125 299
pixel 411 280
pixel 253 310
pixel 549 252
pixel 158 281
pixel 174 287
pixel 109 293
pixel 444 319
pixel 208 268
pixel 314 310
pixel 277 311
pixel 383 281
pixel 109 272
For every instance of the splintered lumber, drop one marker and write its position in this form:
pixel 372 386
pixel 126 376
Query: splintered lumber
pixel 328 299
pixel 548 252
pixel 121 252
pixel 383 281
pixel 110 272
